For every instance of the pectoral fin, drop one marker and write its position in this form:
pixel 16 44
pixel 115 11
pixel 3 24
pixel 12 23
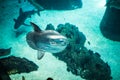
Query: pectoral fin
pixel 40 54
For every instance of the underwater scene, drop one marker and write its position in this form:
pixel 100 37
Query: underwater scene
pixel 59 40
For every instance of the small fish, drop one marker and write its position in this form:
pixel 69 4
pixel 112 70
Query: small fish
pixel 22 17
pixel 89 42
pixel 46 41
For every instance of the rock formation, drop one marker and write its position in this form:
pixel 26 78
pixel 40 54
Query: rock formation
pixel 81 61
pixel 110 24
pixel 14 65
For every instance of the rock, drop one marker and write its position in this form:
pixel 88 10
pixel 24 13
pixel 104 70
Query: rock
pixel 3 74
pixel 50 27
pixel 75 37
pixel 14 65
pixel 110 24
pixel 113 4
pixel 49 78
pixel 81 61
pixel 56 4
pixel 95 68
pixel 4 52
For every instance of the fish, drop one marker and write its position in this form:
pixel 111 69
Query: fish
pixel 45 41
pixel 22 17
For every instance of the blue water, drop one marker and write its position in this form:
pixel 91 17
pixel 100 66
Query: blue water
pixel 86 18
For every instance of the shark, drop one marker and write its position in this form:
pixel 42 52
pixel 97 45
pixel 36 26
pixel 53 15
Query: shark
pixel 22 17
pixel 45 41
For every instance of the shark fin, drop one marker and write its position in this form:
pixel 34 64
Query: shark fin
pixel 38 12
pixel 15 20
pixel 40 54
pixel 36 28
pixel 20 11
pixel 26 24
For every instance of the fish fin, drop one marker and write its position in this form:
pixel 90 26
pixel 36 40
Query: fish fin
pixel 38 12
pixel 36 28
pixel 40 54
pixel 26 24
pixel 15 20
pixel 20 11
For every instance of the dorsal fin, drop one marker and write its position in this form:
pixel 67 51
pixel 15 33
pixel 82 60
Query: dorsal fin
pixel 36 28
pixel 20 11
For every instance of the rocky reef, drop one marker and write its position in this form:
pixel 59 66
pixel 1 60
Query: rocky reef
pixel 13 65
pixel 81 61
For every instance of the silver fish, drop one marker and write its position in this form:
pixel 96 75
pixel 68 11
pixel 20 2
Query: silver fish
pixel 45 41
